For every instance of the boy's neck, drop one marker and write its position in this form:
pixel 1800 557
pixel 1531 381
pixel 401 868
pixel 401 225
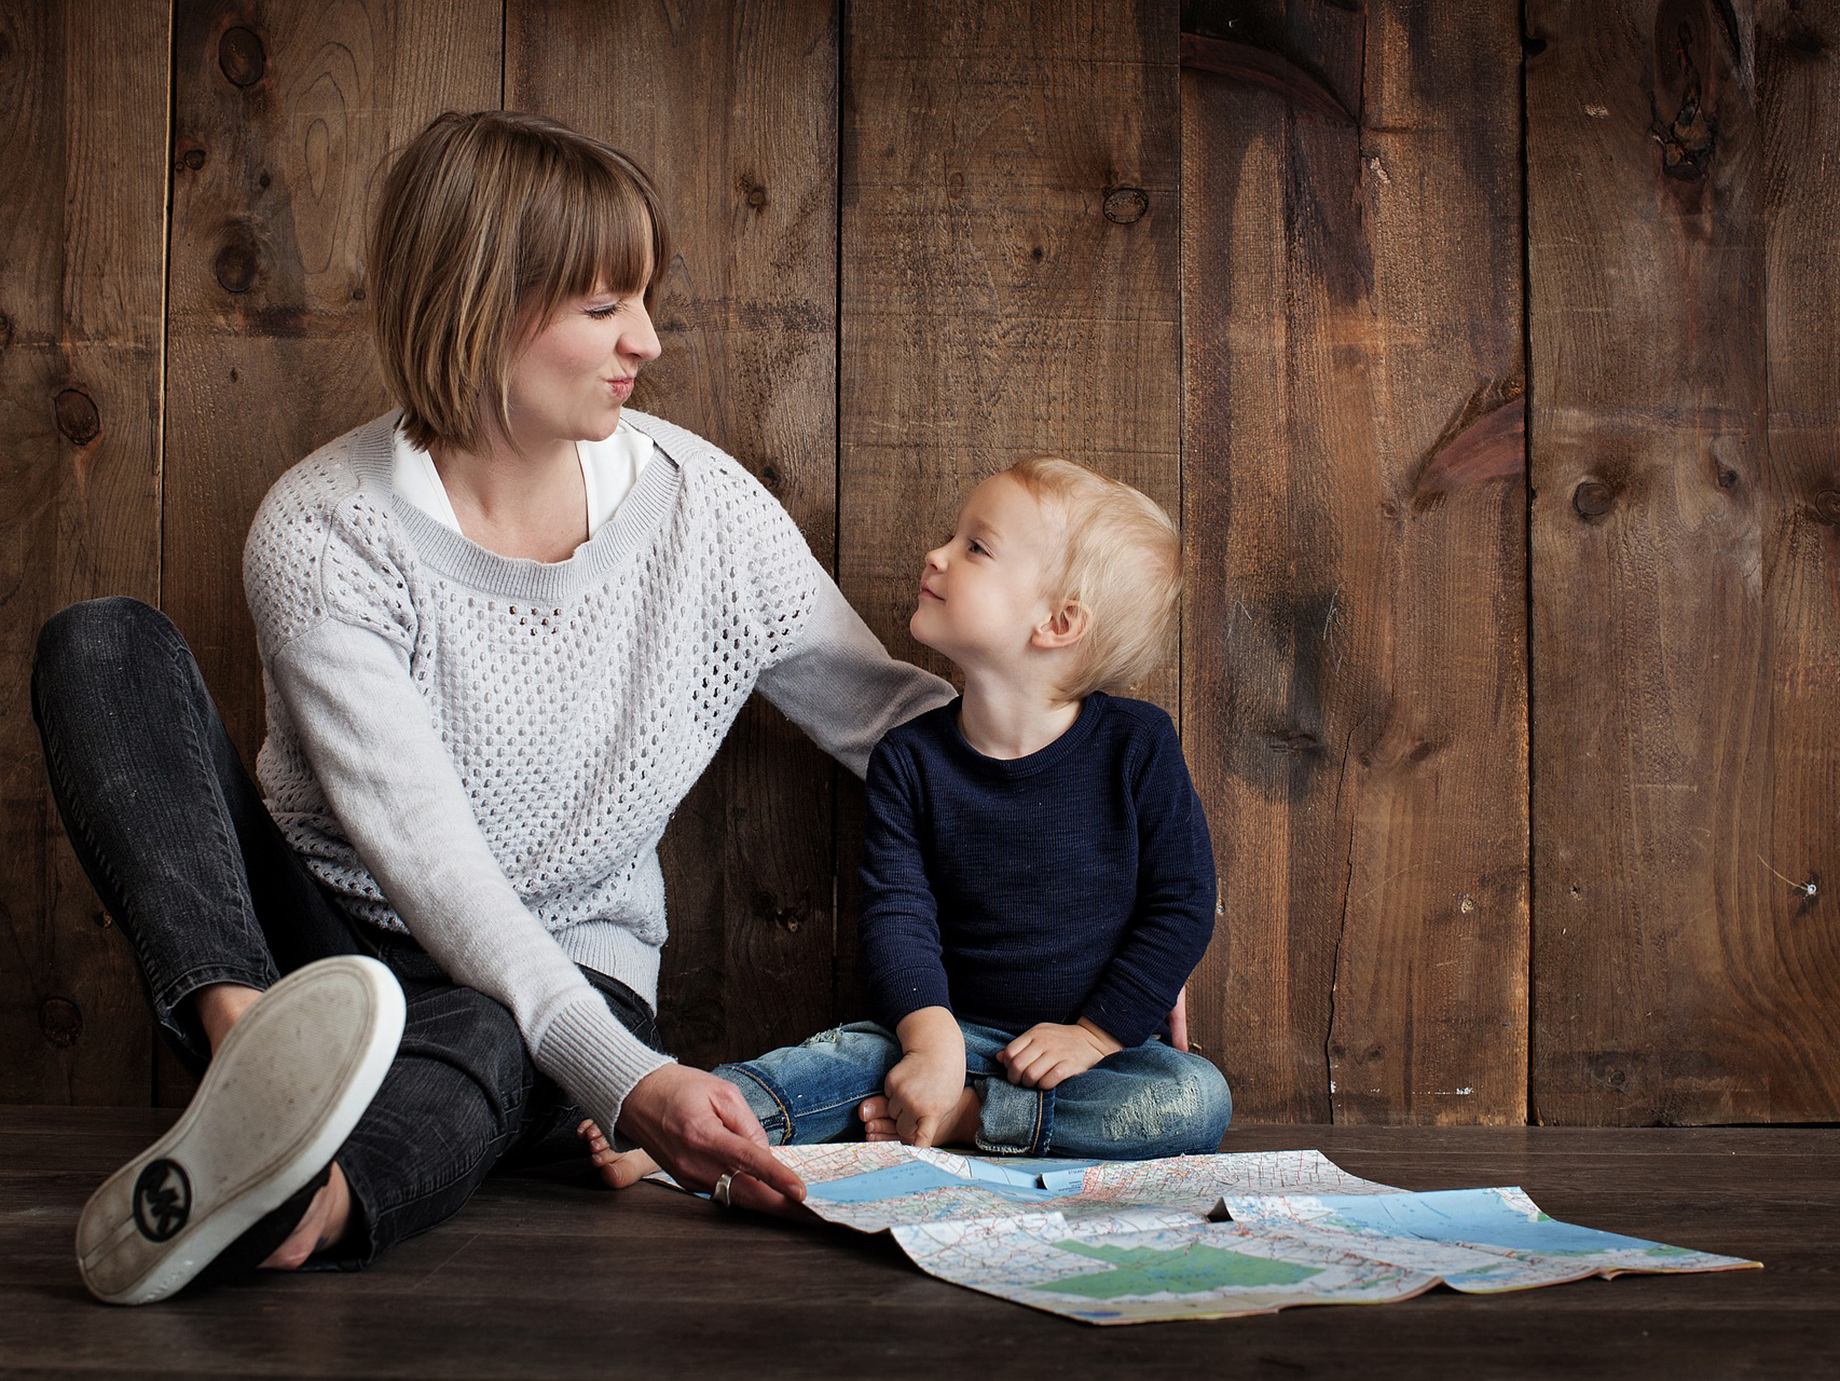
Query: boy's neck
pixel 1009 721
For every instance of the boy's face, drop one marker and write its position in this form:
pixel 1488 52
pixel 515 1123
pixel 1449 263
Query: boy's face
pixel 981 593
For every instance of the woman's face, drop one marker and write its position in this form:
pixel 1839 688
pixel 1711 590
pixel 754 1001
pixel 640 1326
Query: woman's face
pixel 577 372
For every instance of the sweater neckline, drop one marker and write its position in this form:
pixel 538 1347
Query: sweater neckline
pixel 457 556
pixel 1041 759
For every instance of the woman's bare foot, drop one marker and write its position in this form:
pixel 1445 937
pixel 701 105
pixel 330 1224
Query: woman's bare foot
pixel 323 1225
pixel 958 1129
pixel 618 1169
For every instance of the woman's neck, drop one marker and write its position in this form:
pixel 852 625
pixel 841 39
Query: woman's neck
pixel 533 505
pixel 1006 720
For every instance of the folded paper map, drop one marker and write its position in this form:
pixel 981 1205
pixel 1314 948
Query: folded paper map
pixel 1203 1237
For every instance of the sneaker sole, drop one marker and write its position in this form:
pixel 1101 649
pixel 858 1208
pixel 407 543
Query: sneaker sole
pixel 277 1101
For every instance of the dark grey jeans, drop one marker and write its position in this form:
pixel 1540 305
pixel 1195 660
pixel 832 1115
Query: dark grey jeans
pixel 184 855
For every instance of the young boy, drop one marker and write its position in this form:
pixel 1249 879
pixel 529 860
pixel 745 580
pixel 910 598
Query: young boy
pixel 1038 879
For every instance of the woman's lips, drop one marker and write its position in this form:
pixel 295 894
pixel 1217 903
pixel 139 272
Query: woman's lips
pixel 622 388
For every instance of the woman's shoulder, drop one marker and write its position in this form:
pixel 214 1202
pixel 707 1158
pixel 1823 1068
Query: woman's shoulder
pixel 705 465
pixel 311 490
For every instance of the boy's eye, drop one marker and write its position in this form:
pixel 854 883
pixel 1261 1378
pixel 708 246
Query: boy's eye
pixel 977 546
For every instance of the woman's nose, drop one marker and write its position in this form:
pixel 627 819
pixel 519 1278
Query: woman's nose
pixel 640 341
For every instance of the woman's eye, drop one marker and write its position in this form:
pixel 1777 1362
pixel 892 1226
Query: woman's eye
pixel 602 313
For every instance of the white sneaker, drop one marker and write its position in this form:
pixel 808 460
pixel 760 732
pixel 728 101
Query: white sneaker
pixel 277 1101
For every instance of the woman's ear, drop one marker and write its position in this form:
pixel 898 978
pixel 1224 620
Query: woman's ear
pixel 1062 628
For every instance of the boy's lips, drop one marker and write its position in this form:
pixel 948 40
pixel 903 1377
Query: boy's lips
pixel 926 593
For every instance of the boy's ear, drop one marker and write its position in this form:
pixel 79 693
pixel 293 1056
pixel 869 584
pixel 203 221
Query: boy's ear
pixel 1062 628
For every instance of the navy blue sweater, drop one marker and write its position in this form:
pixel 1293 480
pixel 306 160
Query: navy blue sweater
pixel 1078 881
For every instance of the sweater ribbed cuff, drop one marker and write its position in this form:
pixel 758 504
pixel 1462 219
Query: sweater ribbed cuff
pixel 595 1059
pixel 905 991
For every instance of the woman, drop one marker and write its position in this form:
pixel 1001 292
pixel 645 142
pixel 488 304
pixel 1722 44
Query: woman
pixel 503 628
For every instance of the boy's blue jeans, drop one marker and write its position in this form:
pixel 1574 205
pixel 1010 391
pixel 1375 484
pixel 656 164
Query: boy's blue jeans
pixel 1148 1101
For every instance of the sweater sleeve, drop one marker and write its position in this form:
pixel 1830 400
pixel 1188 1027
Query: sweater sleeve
pixel 1174 916
pixel 839 684
pixel 374 751
pixel 824 670
pixel 901 951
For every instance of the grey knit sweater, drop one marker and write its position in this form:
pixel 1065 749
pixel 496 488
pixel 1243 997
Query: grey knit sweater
pixel 485 751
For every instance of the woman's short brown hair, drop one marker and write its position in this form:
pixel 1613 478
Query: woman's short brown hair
pixel 486 224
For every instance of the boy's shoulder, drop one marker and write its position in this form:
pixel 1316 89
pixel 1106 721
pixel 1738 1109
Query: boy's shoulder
pixel 1138 718
pixel 925 729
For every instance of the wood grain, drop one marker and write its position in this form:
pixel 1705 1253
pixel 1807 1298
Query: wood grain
pixel 731 107
pixel 1010 212
pixel 82 242
pixel 285 115
pixel 1686 635
pixel 1354 664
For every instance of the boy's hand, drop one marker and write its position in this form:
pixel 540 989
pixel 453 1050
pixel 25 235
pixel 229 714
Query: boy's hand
pixel 1044 1055
pixel 925 1087
pixel 923 1092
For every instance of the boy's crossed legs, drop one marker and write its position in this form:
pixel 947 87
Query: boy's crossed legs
pixel 1140 1103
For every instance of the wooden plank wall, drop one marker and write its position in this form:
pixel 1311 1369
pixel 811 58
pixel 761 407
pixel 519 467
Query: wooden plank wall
pixel 1354 670
pixel 1686 408
pixel 1511 658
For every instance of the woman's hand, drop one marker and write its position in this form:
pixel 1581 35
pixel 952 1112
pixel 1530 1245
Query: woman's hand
pixel 699 1128
pixel 1045 1054
pixel 1178 1022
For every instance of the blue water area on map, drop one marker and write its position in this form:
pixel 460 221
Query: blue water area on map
pixel 915 1178
pixel 1473 1215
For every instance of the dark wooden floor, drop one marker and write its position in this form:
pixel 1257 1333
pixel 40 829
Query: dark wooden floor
pixel 543 1275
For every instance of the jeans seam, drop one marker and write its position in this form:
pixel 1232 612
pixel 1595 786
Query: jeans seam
pixel 780 1103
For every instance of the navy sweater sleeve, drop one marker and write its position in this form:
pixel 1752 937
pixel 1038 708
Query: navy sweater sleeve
pixel 1176 891
pixel 900 919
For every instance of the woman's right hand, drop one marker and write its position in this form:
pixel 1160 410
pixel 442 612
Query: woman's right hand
pixel 699 1128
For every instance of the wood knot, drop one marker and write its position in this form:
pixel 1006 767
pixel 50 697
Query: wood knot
pixel 1827 507
pixel 241 57
pixel 1592 499
pixel 238 265
pixel 1532 46
pixel 1727 477
pixel 190 159
pixel 6 330
pixel 1124 205
pixel 753 193
pixel 1804 39
pixel 770 476
pixel 787 918
pixel 77 417
pixel 60 1021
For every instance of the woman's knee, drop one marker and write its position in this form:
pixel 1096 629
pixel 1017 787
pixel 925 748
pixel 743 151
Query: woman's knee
pixel 84 639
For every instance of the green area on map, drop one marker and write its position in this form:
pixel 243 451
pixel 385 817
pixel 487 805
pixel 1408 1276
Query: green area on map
pixel 1188 1271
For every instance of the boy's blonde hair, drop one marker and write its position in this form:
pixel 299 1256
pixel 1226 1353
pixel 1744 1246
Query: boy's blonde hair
pixel 1121 560
pixel 485 225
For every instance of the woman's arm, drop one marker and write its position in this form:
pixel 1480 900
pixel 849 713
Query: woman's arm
pixel 839 684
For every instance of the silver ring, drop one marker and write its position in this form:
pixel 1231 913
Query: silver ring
pixel 720 1192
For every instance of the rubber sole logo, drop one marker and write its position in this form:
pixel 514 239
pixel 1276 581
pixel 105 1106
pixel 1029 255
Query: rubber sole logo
pixel 162 1200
